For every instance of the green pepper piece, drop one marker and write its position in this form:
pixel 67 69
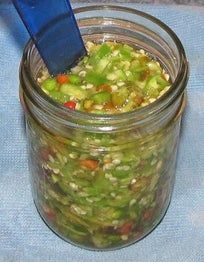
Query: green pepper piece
pixel 113 62
pixel 137 67
pixel 119 98
pixel 103 51
pixel 73 90
pixel 58 96
pixel 101 97
pixel 73 217
pixel 120 75
pixel 107 213
pixel 134 210
pixel 65 226
pixel 57 197
pixel 122 200
pixel 162 83
pixel 95 78
pixel 120 173
pixel 71 232
pixel 102 64
pixel 98 112
pixel 69 169
pixel 154 85
pixel 128 48
pixel 117 75
pixel 100 185
pixel 126 53
pixel 154 67
pixel 74 79
pixel 49 84
pixel 129 106
pixel 131 157
pixel 132 76
pixel 99 139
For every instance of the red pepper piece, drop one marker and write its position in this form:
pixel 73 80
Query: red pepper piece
pixel 70 104
pixel 109 106
pixel 62 79
pixel 126 228
pixel 104 87
pixel 89 163
pixel 148 214
pixel 45 152
pixel 49 213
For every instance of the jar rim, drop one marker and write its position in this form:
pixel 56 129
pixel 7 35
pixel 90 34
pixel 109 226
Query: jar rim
pixel 161 103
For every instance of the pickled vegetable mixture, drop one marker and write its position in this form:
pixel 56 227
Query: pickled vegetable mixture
pixel 113 78
pixel 104 190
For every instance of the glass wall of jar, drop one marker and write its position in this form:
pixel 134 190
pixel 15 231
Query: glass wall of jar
pixel 105 181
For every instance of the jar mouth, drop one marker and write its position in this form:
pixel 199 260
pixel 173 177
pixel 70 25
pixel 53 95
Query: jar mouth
pixel 139 115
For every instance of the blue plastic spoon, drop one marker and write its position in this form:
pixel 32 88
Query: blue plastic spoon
pixel 53 28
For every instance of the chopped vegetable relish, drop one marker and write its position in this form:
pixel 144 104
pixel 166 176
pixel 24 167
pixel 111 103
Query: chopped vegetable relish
pixel 113 78
pixel 95 189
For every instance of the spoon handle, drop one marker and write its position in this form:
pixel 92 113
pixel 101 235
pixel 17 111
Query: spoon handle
pixel 53 28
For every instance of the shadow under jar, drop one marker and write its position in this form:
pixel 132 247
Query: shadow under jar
pixel 127 193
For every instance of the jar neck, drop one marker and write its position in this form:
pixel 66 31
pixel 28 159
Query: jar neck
pixel 58 118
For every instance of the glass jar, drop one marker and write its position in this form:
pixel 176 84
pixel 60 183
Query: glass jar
pixel 105 181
